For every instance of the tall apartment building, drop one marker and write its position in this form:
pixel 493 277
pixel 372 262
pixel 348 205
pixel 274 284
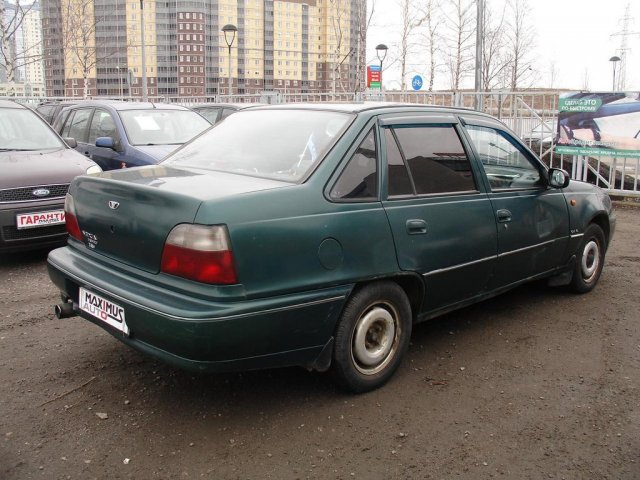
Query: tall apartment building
pixel 286 45
pixel 32 46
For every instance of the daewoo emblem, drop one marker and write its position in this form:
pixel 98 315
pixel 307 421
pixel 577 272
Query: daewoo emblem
pixel 113 205
pixel 41 192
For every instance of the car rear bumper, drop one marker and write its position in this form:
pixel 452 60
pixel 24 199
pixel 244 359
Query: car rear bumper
pixel 199 334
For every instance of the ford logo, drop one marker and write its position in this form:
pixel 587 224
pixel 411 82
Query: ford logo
pixel 41 192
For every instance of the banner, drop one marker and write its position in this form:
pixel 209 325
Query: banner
pixel 595 124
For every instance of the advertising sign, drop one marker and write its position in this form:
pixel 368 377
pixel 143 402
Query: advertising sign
pixel 595 124
pixel 374 76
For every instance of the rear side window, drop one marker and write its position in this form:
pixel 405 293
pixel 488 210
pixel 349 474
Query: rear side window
pixel 435 158
pixel 359 180
pixel 76 125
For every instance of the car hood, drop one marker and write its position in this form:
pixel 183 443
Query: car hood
pixel 44 167
pixel 157 152
pixel 127 214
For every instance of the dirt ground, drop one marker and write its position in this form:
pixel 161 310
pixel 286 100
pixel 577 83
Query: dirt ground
pixel 534 384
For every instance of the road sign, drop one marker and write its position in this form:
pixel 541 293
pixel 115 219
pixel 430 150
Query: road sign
pixel 416 82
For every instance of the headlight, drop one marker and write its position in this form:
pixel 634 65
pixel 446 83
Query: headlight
pixel 93 169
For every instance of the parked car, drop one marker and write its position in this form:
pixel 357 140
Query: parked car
pixel 118 134
pixel 318 235
pixel 49 110
pixel 216 112
pixel 36 168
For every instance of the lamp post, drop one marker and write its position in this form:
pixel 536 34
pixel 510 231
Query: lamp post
pixel 229 31
pixel 381 52
pixel 614 60
pixel 145 96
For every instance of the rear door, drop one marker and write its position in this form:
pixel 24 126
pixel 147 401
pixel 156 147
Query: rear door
pixel 532 219
pixel 442 220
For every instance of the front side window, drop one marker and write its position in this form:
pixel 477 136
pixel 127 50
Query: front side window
pixel 78 125
pixel 505 165
pixel 281 144
pixel 435 158
pixel 359 180
pixel 102 125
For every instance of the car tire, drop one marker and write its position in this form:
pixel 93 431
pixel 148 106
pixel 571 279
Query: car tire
pixel 372 337
pixel 589 260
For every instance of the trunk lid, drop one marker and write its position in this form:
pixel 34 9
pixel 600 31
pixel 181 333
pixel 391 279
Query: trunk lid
pixel 127 214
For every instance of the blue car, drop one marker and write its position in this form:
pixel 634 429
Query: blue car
pixel 128 134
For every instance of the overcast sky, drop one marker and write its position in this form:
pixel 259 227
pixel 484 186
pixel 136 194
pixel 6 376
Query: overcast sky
pixel 573 34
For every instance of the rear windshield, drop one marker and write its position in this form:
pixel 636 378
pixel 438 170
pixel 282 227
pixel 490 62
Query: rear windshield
pixel 162 127
pixel 276 144
pixel 24 130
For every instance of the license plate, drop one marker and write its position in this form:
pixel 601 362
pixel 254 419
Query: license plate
pixel 103 309
pixel 39 219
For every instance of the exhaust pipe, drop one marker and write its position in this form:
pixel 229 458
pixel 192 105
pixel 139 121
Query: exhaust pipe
pixel 65 310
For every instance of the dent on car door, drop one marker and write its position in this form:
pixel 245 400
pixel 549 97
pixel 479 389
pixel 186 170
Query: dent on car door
pixel 532 219
pixel 441 220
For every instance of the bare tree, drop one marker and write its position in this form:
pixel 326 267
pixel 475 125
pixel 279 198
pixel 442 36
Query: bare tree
pixel 410 21
pixel 340 51
pixel 432 22
pixel 495 60
pixel 553 73
pixel 79 40
pixel 12 58
pixel 460 23
pixel 521 40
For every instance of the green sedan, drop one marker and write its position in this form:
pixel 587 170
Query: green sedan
pixel 318 235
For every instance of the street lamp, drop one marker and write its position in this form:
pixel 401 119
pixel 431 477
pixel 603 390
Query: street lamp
pixel 229 31
pixel 381 52
pixel 614 60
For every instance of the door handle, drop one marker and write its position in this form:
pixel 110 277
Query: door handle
pixel 503 215
pixel 416 227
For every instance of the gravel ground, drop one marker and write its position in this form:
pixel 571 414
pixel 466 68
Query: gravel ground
pixel 536 383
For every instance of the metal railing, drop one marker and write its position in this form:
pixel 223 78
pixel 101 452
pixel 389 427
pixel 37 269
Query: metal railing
pixel 533 116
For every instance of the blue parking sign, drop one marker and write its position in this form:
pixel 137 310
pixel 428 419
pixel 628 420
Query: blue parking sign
pixel 416 83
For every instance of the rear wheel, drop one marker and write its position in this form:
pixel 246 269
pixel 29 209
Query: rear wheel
pixel 590 260
pixel 372 336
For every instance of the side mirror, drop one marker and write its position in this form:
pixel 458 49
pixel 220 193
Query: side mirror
pixel 105 142
pixel 71 142
pixel 558 178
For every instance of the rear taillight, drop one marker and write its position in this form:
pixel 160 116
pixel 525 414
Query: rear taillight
pixel 201 253
pixel 70 218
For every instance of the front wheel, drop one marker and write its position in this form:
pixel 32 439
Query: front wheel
pixel 590 260
pixel 372 336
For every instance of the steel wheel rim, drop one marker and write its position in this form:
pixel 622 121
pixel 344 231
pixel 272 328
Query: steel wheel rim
pixel 375 338
pixel 590 260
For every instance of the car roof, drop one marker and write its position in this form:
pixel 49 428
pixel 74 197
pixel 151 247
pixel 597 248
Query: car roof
pixel 374 107
pixel 235 106
pixel 11 104
pixel 121 106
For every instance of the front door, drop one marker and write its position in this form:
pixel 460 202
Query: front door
pixel 532 219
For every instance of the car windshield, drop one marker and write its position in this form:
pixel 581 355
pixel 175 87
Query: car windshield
pixel 162 127
pixel 22 129
pixel 276 144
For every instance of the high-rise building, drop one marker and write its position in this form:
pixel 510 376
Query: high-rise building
pixel 32 46
pixel 286 45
